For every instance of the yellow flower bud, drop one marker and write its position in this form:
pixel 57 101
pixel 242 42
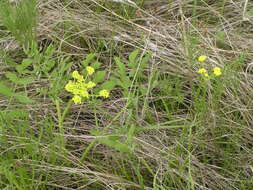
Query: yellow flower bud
pixel 84 94
pixel 90 84
pixel 202 58
pixel 104 93
pixel 70 86
pixel 77 99
pixel 77 76
pixel 90 70
pixel 217 71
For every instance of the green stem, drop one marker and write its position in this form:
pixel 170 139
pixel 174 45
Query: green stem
pixel 58 109
pixel 87 150
pixel 66 110
pixel 61 117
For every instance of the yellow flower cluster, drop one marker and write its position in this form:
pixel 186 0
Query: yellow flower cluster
pixel 79 87
pixel 216 71
pixel 204 72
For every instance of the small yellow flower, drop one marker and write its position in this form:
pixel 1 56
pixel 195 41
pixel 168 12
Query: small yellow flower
pixel 202 71
pixel 70 86
pixel 84 94
pixel 90 70
pixel 77 76
pixel 75 91
pixel 202 58
pixel 217 71
pixel 104 93
pixel 90 84
pixel 77 99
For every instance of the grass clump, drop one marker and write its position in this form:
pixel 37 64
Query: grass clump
pixel 20 19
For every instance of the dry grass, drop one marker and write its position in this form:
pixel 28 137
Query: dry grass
pixel 215 153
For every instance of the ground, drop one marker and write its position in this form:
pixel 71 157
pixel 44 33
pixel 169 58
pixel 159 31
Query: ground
pixel 140 94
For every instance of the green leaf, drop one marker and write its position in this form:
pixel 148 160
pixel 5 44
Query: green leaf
pixel 113 143
pixel 99 76
pixel 48 65
pixel 32 49
pixel 49 51
pixel 121 66
pixel 119 83
pixel 133 58
pixel 25 81
pixel 10 62
pixel 142 66
pixel 64 67
pixel 6 91
pixel 25 63
pixel 96 65
pixel 95 132
pixel 130 135
pixel 108 85
pixel 17 113
pixel 89 58
pixel 22 81
pixel 144 61
pixel 122 147
pixel 11 76
pixel 113 137
pixel 126 82
pixel 22 98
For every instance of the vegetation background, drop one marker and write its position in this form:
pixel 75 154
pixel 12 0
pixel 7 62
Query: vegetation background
pixel 164 125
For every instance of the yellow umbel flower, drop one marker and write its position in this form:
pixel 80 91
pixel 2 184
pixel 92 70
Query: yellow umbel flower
pixel 90 70
pixel 202 58
pixel 77 99
pixel 202 71
pixel 217 71
pixel 79 88
pixel 77 76
pixel 104 93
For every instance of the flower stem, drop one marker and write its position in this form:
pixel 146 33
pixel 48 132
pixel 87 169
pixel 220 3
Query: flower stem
pixel 61 118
